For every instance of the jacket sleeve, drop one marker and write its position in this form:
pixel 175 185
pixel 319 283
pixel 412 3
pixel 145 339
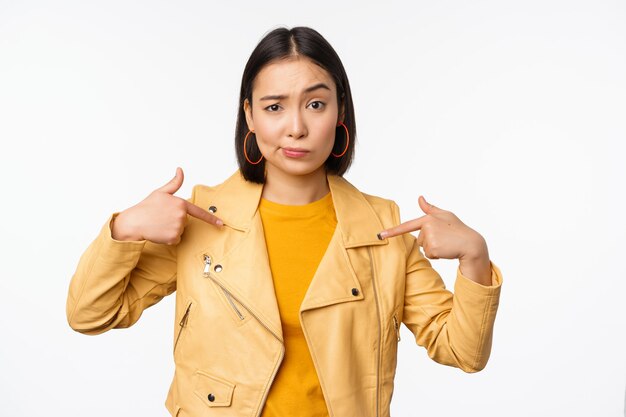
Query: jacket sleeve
pixel 116 280
pixel 456 329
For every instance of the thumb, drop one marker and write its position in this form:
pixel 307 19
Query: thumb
pixel 426 206
pixel 174 184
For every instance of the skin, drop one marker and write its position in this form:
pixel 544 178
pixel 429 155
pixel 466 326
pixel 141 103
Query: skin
pixel 161 217
pixel 299 119
pixel 443 235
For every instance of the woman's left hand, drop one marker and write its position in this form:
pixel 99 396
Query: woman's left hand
pixel 443 235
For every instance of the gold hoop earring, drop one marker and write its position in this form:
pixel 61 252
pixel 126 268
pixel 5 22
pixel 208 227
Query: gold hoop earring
pixel 245 153
pixel 347 142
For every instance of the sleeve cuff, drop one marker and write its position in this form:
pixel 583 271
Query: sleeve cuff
pixel 463 283
pixel 118 251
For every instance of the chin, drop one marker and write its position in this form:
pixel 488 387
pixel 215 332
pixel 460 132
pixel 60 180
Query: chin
pixel 299 169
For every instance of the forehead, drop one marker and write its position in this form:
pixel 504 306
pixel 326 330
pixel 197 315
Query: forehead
pixel 290 75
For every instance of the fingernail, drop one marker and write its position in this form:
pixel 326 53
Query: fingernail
pixel 219 222
pixel 382 235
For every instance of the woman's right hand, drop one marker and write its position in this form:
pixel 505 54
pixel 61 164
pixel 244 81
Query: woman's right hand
pixel 161 217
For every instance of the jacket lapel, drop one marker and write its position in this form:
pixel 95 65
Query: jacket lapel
pixel 245 270
pixel 357 225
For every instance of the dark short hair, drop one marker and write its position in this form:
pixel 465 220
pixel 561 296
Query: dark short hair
pixel 283 43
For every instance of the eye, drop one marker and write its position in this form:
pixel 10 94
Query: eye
pixel 272 108
pixel 317 105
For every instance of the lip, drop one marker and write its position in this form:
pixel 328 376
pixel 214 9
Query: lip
pixel 295 152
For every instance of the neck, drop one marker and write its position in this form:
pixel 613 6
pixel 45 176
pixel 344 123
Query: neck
pixel 295 190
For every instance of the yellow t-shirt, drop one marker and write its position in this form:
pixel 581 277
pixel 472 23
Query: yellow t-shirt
pixel 296 239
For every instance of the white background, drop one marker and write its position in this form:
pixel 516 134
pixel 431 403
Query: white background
pixel 511 114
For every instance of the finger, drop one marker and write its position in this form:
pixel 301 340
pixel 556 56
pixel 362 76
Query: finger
pixel 420 239
pixel 429 254
pixel 405 227
pixel 202 214
pixel 426 206
pixel 174 184
pixel 426 248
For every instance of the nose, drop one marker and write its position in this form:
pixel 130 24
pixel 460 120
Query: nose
pixel 297 125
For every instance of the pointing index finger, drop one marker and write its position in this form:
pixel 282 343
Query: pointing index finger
pixel 202 214
pixel 406 227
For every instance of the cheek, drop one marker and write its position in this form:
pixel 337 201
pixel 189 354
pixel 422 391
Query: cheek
pixel 326 130
pixel 267 131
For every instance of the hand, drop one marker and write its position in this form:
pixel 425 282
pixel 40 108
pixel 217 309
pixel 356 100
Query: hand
pixel 442 234
pixel 161 217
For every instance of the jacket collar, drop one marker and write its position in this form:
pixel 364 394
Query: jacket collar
pixel 356 218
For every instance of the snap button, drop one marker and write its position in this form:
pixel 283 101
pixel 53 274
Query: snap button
pixel 211 397
pixel 218 268
pixel 355 291
pixel 212 209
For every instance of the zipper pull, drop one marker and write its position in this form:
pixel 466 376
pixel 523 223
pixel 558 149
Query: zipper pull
pixel 207 265
pixel 397 326
pixel 183 321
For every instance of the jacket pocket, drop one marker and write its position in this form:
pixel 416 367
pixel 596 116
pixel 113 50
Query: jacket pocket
pixel 212 390
pixel 232 304
pixel 396 325
pixel 393 340
pixel 183 323
pixel 235 309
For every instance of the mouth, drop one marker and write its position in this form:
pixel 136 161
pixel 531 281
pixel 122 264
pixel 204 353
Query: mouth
pixel 295 152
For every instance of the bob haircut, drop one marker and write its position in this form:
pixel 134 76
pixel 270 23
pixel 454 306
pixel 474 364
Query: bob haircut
pixel 282 44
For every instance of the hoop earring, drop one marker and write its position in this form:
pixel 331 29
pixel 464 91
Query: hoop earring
pixel 246 153
pixel 347 142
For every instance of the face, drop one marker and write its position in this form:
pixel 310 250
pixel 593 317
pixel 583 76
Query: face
pixel 294 113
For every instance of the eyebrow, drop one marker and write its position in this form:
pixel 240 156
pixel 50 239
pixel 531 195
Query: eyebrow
pixel 306 90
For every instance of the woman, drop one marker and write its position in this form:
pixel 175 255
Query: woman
pixel 290 283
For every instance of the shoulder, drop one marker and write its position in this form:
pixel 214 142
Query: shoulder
pixel 201 191
pixel 233 185
pixel 388 212
pixel 385 209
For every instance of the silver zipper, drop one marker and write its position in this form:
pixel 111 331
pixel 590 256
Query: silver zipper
pixel 397 326
pixel 207 265
pixel 379 329
pixel 206 273
pixel 230 300
pixel 182 324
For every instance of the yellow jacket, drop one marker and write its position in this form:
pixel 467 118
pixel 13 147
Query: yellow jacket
pixel 227 343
